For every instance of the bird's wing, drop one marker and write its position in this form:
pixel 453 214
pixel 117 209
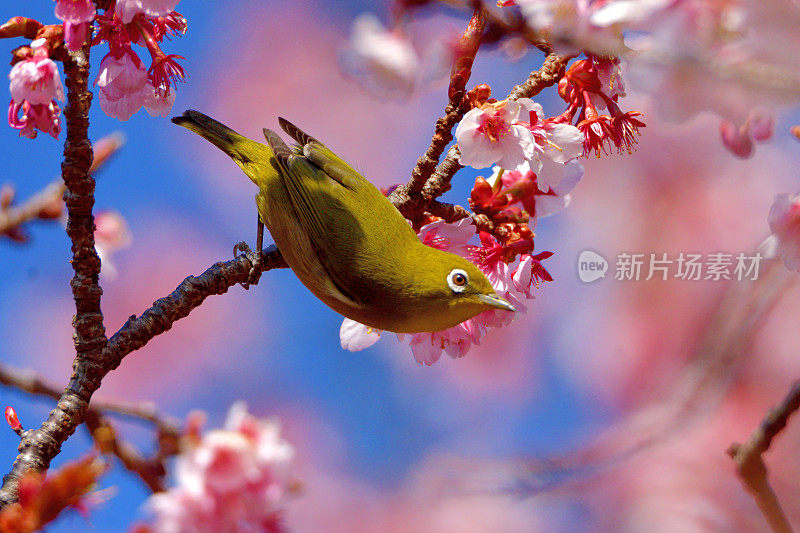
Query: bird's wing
pixel 317 199
pixel 324 158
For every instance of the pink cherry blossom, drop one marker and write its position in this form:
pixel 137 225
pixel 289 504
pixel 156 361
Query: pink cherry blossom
pixel 523 186
pixel 492 134
pixel 158 102
pixel 453 238
pixel 562 143
pixel 232 479
pixel 759 127
pixel 784 221
pixel 36 79
pixel 123 85
pixel 609 74
pixel 76 14
pixel 384 59
pixel 111 234
pixel 182 510
pixel 127 9
pixel 43 117
pixel 355 336
pixel 75 11
pixel 456 342
pixel 594 26
pixel 697 56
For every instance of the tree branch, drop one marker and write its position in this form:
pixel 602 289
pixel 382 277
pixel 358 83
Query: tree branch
pixel 151 470
pixel 750 465
pixel 411 203
pixel 48 203
pixel 39 446
pixel 217 279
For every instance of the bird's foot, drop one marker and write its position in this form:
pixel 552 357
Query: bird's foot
pixel 256 260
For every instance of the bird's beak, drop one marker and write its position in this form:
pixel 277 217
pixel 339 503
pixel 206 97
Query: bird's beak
pixel 495 301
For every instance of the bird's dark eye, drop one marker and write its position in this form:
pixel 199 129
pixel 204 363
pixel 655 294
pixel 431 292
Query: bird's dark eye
pixel 457 279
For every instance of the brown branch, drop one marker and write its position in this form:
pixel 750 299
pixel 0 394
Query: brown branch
pixel 48 203
pixel 151 470
pixel 39 446
pixel 551 72
pixel 750 465
pixel 217 279
pixel 458 104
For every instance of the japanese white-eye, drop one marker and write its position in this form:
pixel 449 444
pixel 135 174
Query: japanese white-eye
pixel 343 238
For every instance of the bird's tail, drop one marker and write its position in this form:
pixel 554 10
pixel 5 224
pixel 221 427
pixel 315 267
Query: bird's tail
pixel 253 157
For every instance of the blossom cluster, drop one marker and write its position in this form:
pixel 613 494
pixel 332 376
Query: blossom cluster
pixel 231 479
pixel 125 85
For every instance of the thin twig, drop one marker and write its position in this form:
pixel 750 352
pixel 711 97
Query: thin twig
pixel 750 465
pixel 137 331
pixel 458 104
pixel 151 470
pixel 48 202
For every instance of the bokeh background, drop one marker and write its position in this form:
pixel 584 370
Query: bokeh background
pixel 384 444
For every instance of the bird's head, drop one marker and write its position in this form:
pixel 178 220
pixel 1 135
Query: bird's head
pixel 450 289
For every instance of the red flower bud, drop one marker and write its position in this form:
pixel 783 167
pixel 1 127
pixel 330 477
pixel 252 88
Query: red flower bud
pixel 12 419
pixel 481 194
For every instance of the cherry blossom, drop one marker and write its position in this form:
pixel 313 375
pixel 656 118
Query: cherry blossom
pixel 111 234
pixel 759 127
pixel 158 102
pixel 355 336
pixel 385 59
pixel 35 85
pixel 522 186
pixel 36 78
pixel 492 134
pixel 230 479
pixel 123 85
pixel 587 82
pixel 784 221
pixel 554 145
pixel 573 25
pixel 76 14
pixel 42 117
pixel 127 9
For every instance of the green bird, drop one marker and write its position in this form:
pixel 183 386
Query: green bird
pixel 343 238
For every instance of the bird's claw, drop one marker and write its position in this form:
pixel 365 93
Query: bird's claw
pixel 256 260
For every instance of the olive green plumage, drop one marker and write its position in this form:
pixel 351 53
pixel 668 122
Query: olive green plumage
pixel 344 240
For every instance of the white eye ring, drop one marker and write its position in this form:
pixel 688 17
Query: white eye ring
pixel 457 279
